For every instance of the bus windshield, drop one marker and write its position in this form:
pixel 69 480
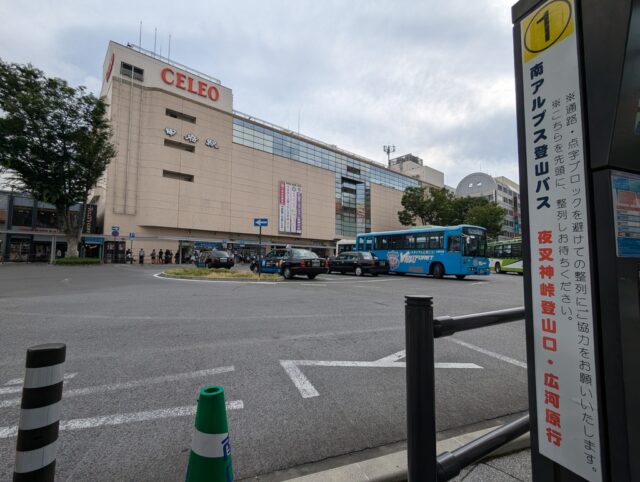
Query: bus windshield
pixel 475 242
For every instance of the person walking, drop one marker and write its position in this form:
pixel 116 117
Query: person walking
pixel 129 256
pixel 167 256
pixel 153 256
pixel 141 256
pixel 160 256
pixel 176 257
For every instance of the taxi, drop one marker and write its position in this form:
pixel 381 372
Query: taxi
pixel 291 262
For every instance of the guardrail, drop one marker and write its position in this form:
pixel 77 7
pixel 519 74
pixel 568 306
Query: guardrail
pixel 421 329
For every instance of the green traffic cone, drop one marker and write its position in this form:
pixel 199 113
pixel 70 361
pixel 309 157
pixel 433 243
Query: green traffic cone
pixel 210 457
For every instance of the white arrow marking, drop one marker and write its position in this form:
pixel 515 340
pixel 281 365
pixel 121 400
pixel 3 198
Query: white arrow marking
pixel 127 385
pixel 307 390
pixel 122 418
pixel 20 381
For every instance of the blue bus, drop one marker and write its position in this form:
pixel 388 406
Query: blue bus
pixel 437 251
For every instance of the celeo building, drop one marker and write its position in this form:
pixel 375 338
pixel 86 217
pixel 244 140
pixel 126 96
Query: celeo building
pixel 192 170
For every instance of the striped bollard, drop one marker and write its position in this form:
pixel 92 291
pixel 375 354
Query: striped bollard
pixel 210 457
pixel 40 413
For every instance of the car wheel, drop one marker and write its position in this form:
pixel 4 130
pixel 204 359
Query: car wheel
pixel 312 276
pixel 460 276
pixel 359 271
pixel 498 269
pixel 437 271
pixel 286 273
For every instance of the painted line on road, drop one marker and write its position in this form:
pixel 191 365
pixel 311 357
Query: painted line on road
pixel 19 381
pixel 478 283
pixel 77 392
pixel 394 357
pixel 122 418
pixel 493 354
pixel 307 390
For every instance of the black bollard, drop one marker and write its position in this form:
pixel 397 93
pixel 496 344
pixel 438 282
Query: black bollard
pixel 40 414
pixel 421 411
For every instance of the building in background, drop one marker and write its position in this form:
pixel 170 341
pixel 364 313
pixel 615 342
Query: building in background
pixel 503 191
pixel 191 170
pixel 30 230
pixel 413 166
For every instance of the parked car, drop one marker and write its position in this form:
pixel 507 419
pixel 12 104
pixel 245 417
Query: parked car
pixel 218 259
pixel 358 262
pixel 291 262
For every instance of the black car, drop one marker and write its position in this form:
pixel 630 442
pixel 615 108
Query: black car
pixel 358 262
pixel 217 259
pixel 291 262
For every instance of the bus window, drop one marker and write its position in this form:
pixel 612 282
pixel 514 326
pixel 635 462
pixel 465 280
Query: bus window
pixel 368 244
pixel 454 244
pixel 382 242
pixel 421 242
pixel 436 241
pixel 410 241
pixel 396 241
pixel 517 250
pixel 507 250
pixel 498 251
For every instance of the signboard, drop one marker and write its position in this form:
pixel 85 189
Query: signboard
pixel 115 230
pixel 261 222
pixel 132 235
pixel 626 207
pixel 93 240
pixel 565 367
pixel 290 208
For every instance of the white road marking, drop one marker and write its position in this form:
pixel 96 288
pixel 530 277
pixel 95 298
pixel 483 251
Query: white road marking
pixel 19 381
pixel 122 418
pixel 77 392
pixel 478 283
pixel 307 390
pixel 311 284
pixel 394 357
pixel 493 354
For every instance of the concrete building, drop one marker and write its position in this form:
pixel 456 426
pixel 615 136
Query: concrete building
pixel 192 170
pixel 413 166
pixel 503 191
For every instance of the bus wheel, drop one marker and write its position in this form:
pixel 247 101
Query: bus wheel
pixel 437 270
pixel 460 276
pixel 498 270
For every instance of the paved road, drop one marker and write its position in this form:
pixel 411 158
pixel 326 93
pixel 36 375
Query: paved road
pixel 139 347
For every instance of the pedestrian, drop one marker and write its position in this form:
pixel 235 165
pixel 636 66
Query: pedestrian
pixel 153 256
pixel 167 256
pixel 129 256
pixel 160 256
pixel 141 256
pixel 177 257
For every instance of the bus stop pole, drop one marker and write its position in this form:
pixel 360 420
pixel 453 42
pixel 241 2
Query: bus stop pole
pixel 260 251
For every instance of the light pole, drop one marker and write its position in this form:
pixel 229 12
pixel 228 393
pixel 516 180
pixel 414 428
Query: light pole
pixel 389 149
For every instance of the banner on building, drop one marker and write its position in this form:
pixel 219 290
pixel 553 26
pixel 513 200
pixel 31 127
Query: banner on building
pixel 290 208
pixel 562 307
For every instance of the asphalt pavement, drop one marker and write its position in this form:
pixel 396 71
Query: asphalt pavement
pixel 313 370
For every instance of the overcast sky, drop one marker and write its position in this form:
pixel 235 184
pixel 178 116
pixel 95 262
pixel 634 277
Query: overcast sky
pixel 434 78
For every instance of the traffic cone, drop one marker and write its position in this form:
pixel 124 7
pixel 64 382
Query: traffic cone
pixel 210 457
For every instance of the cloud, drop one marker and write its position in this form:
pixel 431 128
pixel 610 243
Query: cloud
pixel 434 78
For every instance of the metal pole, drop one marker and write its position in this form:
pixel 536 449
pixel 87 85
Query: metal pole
pixel 260 252
pixel 421 419
pixel 40 414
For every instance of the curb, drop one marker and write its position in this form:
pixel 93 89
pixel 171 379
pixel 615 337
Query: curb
pixel 214 280
pixel 393 467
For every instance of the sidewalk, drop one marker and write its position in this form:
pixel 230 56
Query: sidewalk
pixel 509 463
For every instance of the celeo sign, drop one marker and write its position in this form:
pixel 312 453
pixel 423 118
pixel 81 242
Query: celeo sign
pixel 183 81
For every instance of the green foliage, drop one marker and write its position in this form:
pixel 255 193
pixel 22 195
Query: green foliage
pixel 219 273
pixel 74 260
pixel 55 140
pixel 442 208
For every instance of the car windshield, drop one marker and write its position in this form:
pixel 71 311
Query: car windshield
pixel 220 254
pixel 303 253
pixel 366 255
pixel 475 244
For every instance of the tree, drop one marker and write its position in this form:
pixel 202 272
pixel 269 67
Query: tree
pixel 55 142
pixel 442 208
pixel 488 215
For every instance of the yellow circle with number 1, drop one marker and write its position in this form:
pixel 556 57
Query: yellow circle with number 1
pixel 547 26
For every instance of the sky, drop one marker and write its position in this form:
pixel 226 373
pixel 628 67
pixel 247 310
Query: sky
pixel 433 78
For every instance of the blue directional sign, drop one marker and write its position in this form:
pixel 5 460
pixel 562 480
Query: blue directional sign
pixel 132 235
pixel 115 230
pixel 261 222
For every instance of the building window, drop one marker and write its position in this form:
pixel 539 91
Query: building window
pixel 179 145
pixel 470 184
pixel 353 170
pixel 180 115
pixel 22 216
pixel 180 176
pixel 47 218
pixel 131 71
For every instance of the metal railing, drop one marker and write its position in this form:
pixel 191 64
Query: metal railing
pixel 421 329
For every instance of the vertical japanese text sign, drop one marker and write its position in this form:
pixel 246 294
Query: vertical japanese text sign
pixel 564 348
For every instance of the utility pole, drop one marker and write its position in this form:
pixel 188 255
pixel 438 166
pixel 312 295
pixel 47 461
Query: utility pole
pixel 389 149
